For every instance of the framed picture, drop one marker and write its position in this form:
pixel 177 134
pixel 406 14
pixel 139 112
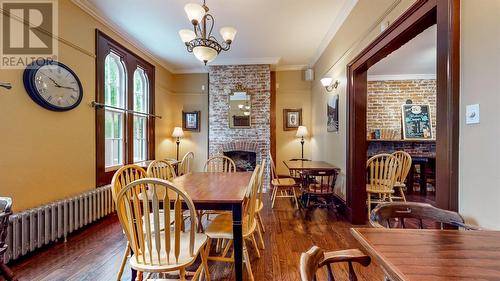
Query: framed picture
pixel 191 121
pixel 292 119
pixel 332 111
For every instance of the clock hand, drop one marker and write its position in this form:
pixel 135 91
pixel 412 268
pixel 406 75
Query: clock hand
pixel 53 81
pixel 69 88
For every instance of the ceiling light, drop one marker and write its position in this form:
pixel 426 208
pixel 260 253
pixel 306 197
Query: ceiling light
pixel 200 40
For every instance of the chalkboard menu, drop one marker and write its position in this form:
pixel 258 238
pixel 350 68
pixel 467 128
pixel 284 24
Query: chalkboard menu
pixel 416 122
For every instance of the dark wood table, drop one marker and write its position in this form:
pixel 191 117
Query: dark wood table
pixel 407 254
pixel 224 192
pixel 303 165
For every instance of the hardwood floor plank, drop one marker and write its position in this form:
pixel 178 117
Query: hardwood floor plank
pixel 95 252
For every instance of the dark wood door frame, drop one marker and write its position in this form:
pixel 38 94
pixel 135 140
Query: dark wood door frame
pixel 420 16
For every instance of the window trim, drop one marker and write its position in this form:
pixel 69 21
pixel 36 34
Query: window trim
pixel 104 45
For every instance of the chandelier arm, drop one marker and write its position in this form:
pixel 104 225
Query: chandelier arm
pixel 212 21
pixel 225 46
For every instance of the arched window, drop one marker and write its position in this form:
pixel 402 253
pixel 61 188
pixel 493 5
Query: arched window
pixel 141 104
pixel 114 95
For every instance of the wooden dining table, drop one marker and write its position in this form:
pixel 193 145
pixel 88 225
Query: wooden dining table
pixel 222 192
pixel 429 254
pixel 303 165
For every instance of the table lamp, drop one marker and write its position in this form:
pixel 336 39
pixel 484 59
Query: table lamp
pixel 178 133
pixel 301 133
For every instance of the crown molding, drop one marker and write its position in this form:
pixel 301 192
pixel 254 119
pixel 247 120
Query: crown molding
pixel 291 67
pixel 246 61
pixel 339 20
pixel 401 77
pixel 94 13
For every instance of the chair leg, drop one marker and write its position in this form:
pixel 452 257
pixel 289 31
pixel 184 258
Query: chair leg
pixel 273 198
pixel 402 193
pixel 254 243
pixel 124 261
pixel 369 205
pixel 7 272
pixel 295 197
pixel 246 259
pixel 204 263
pixel 182 274
pixel 261 222
pixel 259 235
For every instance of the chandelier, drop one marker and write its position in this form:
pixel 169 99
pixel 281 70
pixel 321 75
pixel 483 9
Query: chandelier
pixel 200 40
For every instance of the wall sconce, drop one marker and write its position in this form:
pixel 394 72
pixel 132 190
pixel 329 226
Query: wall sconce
pixel 328 83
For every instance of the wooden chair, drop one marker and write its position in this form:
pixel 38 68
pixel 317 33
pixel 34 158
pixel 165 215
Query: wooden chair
pixel 161 169
pixel 186 165
pixel 318 184
pixel 296 174
pixel 121 178
pixel 259 204
pixel 316 258
pixel 403 169
pixel 415 215
pixel 5 212
pixel 285 186
pixel 220 164
pixel 170 250
pixel 382 171
pixel 222 227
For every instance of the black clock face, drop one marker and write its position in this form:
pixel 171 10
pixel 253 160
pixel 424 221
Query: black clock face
pixel 53 86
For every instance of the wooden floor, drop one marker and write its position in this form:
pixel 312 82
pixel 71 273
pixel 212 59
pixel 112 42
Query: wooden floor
pixel 95 252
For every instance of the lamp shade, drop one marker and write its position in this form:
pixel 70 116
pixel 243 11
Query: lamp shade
pixel 186 35
pixel 178 133
pixel 194 12
pixel 228 33
pixel 326 81
pixel 205 54
pixel 302 132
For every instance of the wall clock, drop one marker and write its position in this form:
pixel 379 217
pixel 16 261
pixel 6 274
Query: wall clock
pixel 53 85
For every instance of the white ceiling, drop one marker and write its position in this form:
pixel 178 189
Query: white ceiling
pixel 417 57
pixel 290 34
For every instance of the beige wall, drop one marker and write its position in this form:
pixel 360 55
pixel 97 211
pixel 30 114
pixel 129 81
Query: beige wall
pixel 480 72
pixel 292 92
pixel 359 29
pixel 186 95
pixel 47 155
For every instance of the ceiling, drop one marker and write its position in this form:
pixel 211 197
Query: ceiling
pixel 289 34
pixel 417 57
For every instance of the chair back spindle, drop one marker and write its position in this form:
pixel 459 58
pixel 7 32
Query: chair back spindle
pixel 186 164
pixel 251 196
pixel 146 196
pixel 220 164
pixel 161 169
pixel 404 165
pixel 382 169
pixel 124 176
pixel 320 181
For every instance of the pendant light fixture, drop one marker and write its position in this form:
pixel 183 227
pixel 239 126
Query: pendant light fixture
pixel 200 40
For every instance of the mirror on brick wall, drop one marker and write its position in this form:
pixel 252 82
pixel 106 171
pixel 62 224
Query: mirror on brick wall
pixel 240 109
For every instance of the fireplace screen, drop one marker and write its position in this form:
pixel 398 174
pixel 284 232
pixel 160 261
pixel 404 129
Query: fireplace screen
pixel 244 160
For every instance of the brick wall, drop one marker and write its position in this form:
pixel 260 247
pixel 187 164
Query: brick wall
pixel 257 81
pixel 385 99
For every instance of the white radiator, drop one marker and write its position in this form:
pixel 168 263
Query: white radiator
pixel 34 228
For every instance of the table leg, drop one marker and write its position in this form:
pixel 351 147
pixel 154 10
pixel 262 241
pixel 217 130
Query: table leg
pixel 423 179
pixel 133 275
pixel 238 241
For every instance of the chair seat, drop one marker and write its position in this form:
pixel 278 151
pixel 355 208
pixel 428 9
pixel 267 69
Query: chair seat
pixel 283 182
pixel 222 227
pixel 259 205
pixel 370 190
pixel 161 264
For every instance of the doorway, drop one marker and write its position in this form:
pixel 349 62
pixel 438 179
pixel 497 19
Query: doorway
pixel 445 14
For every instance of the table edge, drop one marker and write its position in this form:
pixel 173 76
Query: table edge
pixel 387 266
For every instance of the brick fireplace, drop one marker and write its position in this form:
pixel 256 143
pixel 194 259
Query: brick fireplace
pixel 256 79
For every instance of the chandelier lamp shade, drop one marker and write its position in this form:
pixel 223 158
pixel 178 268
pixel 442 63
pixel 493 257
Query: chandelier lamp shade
pixel 200 40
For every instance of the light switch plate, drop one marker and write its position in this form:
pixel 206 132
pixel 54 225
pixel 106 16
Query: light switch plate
pixel 472 114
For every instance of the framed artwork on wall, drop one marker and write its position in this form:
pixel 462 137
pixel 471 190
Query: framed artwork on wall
pixel 332 111
pixel 292 119
pixel 416 119
pixel 191 121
